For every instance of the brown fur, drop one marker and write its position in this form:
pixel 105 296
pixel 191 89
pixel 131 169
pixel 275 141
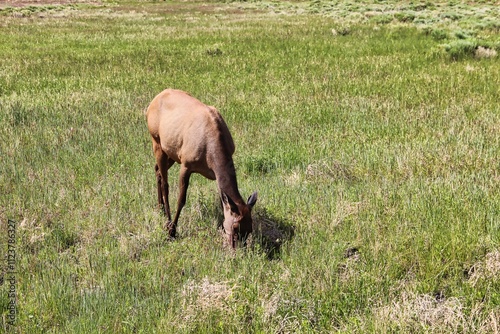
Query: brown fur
pixel 186 131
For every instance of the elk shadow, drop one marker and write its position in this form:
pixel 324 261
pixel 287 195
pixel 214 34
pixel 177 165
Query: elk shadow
pixel 270 232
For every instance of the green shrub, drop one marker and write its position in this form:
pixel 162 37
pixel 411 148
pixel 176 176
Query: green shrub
pixel 451 16
pixel 439 34
pixel 405 16
pixel 382 19
pixel 422 6
pixel 461 48
pixel 464 34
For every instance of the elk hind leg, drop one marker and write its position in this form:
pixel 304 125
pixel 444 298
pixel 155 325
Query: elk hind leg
pixel 161 203
pixel 163 163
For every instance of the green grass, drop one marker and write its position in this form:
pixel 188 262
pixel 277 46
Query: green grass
pixel 374 149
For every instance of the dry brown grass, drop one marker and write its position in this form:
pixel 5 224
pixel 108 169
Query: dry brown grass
pixel 275 308
pixel 205 296
pixel 426 313
pixel 270 306
pixel 332 169
pixel 482 52
pixel 486 269
pixel 33 233
pixel 132 245
pixel 23 3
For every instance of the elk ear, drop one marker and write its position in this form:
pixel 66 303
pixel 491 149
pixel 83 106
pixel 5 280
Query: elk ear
pixel 252 199
pixel 228 202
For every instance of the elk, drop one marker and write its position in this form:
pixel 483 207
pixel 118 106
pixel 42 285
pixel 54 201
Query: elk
pixel 186 131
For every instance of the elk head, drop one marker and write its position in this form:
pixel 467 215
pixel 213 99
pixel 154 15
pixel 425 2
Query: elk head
pixel 237 219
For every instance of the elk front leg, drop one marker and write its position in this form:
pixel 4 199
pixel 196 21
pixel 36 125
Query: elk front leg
pixel 185 173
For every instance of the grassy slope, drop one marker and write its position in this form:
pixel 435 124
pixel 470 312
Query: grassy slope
pixel 378 150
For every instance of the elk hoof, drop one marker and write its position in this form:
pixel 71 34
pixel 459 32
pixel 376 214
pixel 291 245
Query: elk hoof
pixel 171 230
pixel 171 233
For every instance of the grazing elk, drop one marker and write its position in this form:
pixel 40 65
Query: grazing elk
pixel 186 131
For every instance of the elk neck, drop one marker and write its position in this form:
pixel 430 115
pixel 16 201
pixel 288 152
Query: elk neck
pixel 225 174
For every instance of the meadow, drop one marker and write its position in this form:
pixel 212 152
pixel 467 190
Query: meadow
pixel 370 129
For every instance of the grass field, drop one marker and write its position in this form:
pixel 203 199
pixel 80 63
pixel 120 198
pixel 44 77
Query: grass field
pixel 370 129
